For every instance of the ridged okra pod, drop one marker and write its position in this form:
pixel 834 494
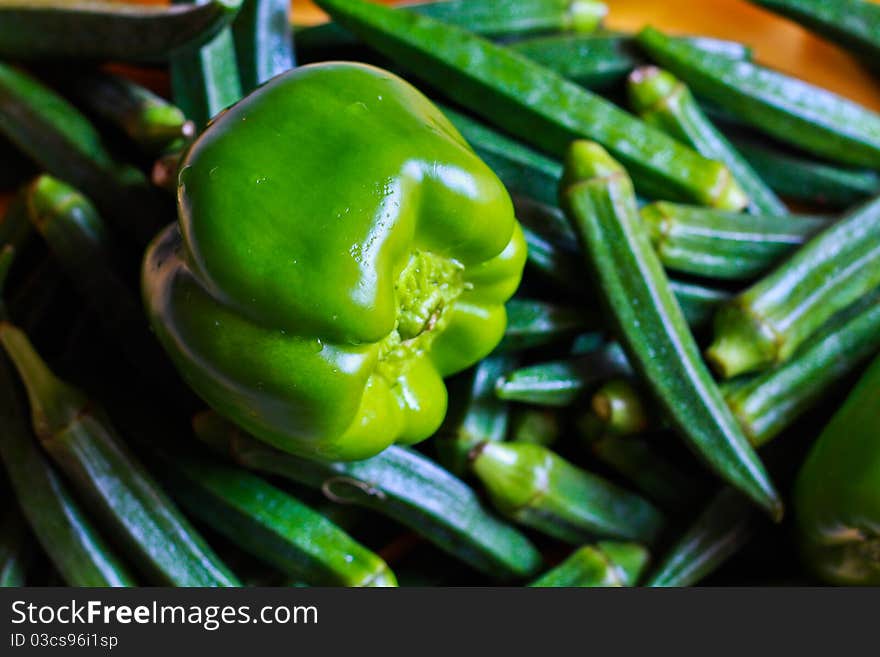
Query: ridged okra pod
pixel 605 564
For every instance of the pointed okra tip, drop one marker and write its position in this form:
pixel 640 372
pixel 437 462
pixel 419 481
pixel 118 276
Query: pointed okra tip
pixel 630 559
pixel 586 161
pixel 508 472
pixel 649 86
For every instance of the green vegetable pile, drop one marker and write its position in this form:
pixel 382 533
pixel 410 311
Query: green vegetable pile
pixel 478 293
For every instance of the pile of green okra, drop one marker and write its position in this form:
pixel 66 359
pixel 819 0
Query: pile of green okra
pixel 688 388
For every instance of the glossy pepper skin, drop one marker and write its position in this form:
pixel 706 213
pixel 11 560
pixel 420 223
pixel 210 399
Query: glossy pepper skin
pixel 340 249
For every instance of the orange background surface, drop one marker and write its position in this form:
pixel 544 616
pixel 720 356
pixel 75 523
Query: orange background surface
pixel 777 42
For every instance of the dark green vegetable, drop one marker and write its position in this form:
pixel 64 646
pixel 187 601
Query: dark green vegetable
pixel 535 487
pixel 76 550
pixel 540 426
pixel 532 323
pixel 801 179
pixel 270 524
pixel 600 60
pixel 494 18
pixel 605 564
pixel 400 484
pixel 792 110
pixel 80 440
pixel 150 121
pixel 599 200
pixel 532 102
pixel 561 383
pixel 263 41
pixel 61 140
pixel 475 414
pixel 619 405
pixel 723 527
pixel 769 402
pixel 765 324
pixel 724 245
pixel 13 544
pixel 101 30
pixel 854 24
pixel 206 81
pixel 665 102
pixel 522 170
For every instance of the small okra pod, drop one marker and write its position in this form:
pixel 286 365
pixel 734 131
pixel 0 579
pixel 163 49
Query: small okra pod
pixel 535 487
pixel 533 323
pixel 80 440
pixel 665 102
pixel 270 524
pixel 561 383
pixel 765 324
pixel 767 403
pixel 600 202
pixel 606 564
pixel 621 408
pixel 724 245
pixel 723 527
pixel 475 414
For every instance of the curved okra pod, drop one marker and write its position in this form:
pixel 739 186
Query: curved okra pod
pixel 799 178
pixel 13 544
pixel 539 426
pixel 600 202
pixel 769 402
pixel 535 487
pixel 80 440
pixel 270 524
pixel 724 245
pixel 491 18
pixel 532 102
pixel 815 119
pixel 723 527
pixel 475 413
pixel 765 324
pixel 151 122
pixel 561 383
pixel 854 24
pixel 263 41
pixel 76 550
pixel 533 323
pixel 663 101
pixel 837 494
pixel 398 483
pixel 105 30
pixel 61 140
pixel 604 564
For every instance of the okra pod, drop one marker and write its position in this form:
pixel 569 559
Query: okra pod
pixel 724 245
pixel 854 24
pixel 768 403
pixel 81 441
pixel 535 487
pixel 263 41
pixel 491 18
pixel 532 323
pixel 723 527
pixel 539 426
pixel 605 564
pixel 13 544
pixel 663 101
pixel 792 110
pixel 837 496
pixel 270 524
pixel 475 413
pixel 561 383
pixel 104 30
pixel 398 483
pixel 532 102
pixel 66 534
pixel 799 178
pixel 620 407
pixel 600 202
pixel 57 137
pixel 766 323
pixel 151 122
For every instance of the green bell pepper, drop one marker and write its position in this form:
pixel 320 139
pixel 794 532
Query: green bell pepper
pixel 340 249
